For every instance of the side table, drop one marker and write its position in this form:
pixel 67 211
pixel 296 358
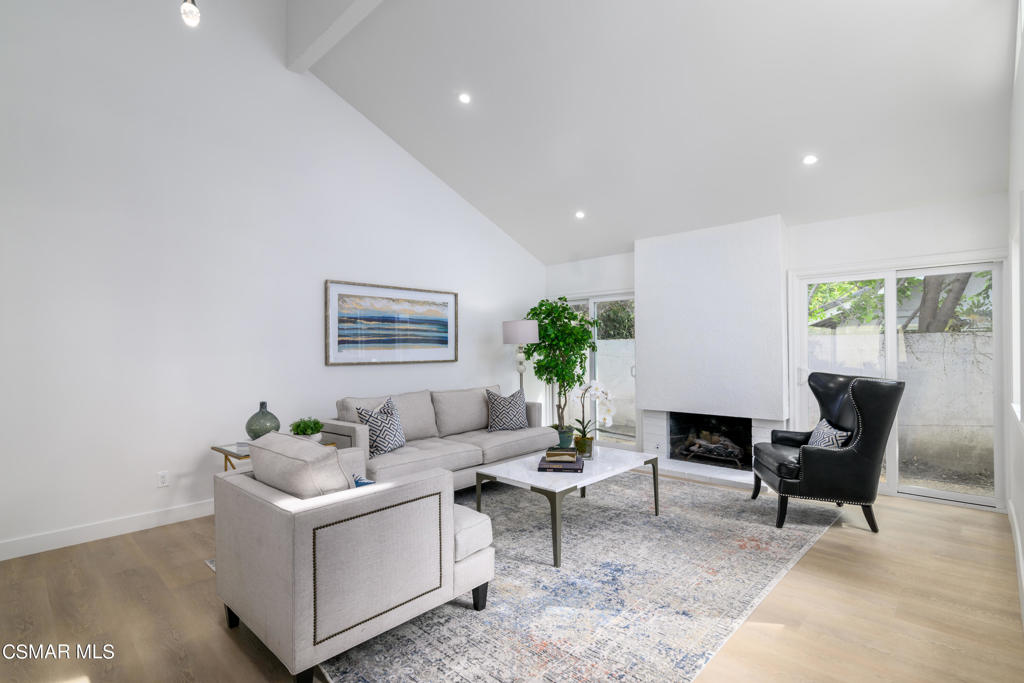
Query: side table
pixel 237 452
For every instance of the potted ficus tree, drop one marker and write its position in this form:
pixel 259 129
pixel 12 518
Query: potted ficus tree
pixel 307 427
pixel 560 357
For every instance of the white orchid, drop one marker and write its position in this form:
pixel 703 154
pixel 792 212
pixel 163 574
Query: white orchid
pixel 595 391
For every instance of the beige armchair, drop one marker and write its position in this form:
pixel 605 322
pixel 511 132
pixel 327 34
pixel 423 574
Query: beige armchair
pixel 315 577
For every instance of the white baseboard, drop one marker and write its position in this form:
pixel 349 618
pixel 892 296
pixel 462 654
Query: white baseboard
pixel 49 540
pixel 1018 548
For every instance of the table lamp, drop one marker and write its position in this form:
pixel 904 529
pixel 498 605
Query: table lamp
pixel 520 332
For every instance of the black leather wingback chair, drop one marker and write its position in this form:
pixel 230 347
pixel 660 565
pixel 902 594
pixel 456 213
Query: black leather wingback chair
pixel 863 406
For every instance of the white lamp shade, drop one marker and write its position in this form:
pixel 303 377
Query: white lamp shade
pixel 519 332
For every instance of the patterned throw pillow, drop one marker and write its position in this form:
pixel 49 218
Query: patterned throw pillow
pixel 385 427
pixel 827 436
pixel 506 413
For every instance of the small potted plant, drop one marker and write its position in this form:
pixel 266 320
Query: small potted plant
pixel 592 391
pixel 307 428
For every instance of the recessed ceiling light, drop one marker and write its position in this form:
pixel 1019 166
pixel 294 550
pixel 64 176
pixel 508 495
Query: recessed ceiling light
pixel 190 13
pixel 580 215
pixel 810 160
pixel 465 98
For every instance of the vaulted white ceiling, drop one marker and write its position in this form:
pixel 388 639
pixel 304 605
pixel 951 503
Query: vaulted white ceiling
pixel 656 116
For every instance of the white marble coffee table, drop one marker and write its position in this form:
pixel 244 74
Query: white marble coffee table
pixel 522 473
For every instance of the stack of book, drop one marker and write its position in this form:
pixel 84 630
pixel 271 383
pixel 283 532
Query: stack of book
pixel 561 460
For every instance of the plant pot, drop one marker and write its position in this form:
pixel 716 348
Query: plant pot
pixel 312 437
pixel 565 437
pixel 585 446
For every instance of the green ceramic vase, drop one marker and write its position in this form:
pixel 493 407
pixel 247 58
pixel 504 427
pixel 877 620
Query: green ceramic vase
pixel 262 422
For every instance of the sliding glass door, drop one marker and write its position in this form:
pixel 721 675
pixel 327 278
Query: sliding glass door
pixel 946 356
pixel 614 365
pixel 935 329
pixel 844 333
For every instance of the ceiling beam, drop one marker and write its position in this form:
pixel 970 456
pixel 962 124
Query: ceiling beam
pixel 316 26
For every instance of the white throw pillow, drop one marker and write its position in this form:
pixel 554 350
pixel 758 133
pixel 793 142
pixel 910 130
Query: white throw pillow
pixel 299 467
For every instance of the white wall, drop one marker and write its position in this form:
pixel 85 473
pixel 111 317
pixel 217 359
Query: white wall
pixel 943 229
pixel 171 202
pixel 591 277
pixel 711 319
pixel 939 229
pixel 935 233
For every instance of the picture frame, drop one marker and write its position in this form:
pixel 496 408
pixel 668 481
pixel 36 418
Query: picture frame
pixel 367 324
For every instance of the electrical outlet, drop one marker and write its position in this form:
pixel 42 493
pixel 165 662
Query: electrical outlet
pixel 161 479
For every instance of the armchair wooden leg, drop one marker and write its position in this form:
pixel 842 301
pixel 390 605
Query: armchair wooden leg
pixel 869 514
pixel 231 617
pixel 305 676
pixel 783 504
pixel 757 487
pixel 480 597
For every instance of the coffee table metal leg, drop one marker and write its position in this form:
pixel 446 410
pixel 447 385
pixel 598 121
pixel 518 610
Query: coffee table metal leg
pixel 583 492
pixel 555 500
pixel 480 479
pixel 653 462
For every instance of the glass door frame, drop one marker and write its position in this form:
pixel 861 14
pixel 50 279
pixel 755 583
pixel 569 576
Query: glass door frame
pixel 997 386
pixel 798 282
pixel 798 351
pixel 591 303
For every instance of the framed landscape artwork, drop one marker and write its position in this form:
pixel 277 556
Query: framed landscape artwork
pixel 369 324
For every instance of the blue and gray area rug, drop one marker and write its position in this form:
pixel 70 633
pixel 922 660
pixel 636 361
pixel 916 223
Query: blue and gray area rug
pixel 638 597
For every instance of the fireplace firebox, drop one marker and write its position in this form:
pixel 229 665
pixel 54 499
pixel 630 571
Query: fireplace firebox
pixel 711 439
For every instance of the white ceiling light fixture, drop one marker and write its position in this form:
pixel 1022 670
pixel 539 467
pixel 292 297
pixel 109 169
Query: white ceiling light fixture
pixel 190 13
pixel 580 215
pixel 465 97
pixel 810 160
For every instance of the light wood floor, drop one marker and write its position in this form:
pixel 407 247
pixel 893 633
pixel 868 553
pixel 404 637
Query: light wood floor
pixel 933 597
pixel 149 593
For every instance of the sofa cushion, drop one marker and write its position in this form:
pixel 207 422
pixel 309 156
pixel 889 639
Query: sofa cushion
pixel 461 410
pixel 778 458
pixel 501 445
pixel 424 454
pixel 385 426
pixel 506 413
pixel 298 467
pixel 415 408
pixel 472 532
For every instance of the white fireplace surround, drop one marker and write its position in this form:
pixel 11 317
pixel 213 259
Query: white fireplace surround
pixel 711 321
pixel 715 331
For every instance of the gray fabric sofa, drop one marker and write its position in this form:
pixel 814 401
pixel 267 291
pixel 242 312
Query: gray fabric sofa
pixel 314 577
pixel 446 429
